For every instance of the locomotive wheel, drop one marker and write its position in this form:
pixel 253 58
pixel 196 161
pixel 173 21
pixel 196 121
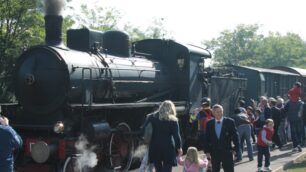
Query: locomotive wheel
pixel 121 148
pixel 72 164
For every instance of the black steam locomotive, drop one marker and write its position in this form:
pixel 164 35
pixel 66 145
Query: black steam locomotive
pixel 100 86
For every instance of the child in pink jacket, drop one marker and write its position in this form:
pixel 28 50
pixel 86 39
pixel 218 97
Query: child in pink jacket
pixel 192 162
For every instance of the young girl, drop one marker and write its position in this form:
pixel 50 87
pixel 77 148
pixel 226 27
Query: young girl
pixel 192 162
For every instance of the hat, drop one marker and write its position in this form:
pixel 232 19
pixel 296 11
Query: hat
pixel 242 109
pixel 205 100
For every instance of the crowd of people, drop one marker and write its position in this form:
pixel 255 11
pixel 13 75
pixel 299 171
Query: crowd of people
pixel 270 124
pixel 222 138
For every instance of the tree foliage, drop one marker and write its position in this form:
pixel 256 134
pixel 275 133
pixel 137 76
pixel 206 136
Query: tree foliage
pixel 244 46
pixel 20 27
pixel 278 50
pixel 157 29
pixel 107 18
pixel 135 33
pixel 98 18
pixel 235 47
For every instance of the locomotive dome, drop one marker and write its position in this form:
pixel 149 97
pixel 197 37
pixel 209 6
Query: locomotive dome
pixel 116 43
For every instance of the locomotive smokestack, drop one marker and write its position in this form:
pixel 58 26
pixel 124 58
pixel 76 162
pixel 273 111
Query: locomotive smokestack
pixel 53 21
pixel 53 27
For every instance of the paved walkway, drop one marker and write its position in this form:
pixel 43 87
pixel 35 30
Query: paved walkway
pixel 278 159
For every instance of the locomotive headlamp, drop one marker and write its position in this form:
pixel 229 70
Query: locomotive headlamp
pixel 59 127
pixel 40 152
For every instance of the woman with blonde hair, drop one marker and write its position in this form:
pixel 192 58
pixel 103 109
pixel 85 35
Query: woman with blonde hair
pixel 192 162
pixel 167 111
pixel 166 139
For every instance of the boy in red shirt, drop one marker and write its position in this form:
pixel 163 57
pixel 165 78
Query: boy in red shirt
pixel 264 141
pixel 294 93
pixel 203 117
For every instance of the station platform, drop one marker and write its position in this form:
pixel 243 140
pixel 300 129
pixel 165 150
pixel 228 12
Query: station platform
pixel 279 159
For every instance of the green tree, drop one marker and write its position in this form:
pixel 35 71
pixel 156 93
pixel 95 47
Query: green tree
pixel 235 47
pixel 98 18
pixel 278 50
pixel 244 46
pixel 134 32
pixel 20 27
pixel 157 30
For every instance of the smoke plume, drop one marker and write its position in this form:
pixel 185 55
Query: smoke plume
pixel 54 7
pixel 140 151
pixel 87 158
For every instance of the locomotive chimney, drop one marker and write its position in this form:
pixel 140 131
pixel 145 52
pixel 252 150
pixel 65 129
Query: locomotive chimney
pixel 53 21
pixel 53 28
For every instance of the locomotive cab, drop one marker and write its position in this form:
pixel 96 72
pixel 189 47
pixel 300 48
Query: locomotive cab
pixel 185 62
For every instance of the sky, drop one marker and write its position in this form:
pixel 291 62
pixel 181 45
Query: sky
pixel 192 21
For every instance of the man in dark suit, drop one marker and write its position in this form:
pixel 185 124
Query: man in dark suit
pixel 220 133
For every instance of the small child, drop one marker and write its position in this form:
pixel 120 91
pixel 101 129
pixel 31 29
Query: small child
pixel 204 115
pixel 264 141
pixel 294 93
pixel 192 162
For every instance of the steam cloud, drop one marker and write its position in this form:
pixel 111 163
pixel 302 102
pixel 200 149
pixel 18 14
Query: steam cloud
pixel 87 158
pixel 54 7
pixel 140 151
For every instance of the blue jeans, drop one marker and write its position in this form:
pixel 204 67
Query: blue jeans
pixel 245 134
pixel 263 151
pixel 145 165
pixel 296 132
pixel 282 132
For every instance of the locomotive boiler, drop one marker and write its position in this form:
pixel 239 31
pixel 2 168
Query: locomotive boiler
pixel 100 86
pixel 52 75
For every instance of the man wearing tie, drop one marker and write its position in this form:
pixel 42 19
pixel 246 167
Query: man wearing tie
pixel 220 133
